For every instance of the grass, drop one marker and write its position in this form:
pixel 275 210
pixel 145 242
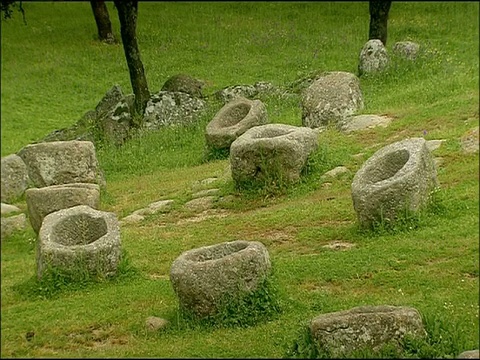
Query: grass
pixel 53 71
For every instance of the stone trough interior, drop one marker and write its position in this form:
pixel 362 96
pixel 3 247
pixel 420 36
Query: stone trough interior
pixel 235 114
pixel 387 166
pixel 80 229
pixel 216 252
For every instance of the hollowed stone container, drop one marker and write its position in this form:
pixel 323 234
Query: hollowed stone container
pixel 79 239
pixel 233 120
pixel 397 177
pixel 273 151
pixel 202 277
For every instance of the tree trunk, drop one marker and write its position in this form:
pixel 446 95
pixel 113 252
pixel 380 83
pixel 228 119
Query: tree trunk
pixel 104 26
pixel 378 19
pixel 127 14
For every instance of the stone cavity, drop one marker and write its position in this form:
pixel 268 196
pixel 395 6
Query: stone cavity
pixel 79 239
pixel 233 120
pixel 202 277
pixel 397 177
pixel 271 152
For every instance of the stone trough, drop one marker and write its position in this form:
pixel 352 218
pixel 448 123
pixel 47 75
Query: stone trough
pixel 275 152
pixel 79 239
pixel 203 277
pixel 398 177
pixel 233 120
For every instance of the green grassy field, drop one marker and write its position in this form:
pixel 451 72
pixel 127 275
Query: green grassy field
pixel 53 71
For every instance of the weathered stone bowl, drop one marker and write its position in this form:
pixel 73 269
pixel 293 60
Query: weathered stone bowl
pixel 45 200
pixel 79 239
pixel 274 151
pixel 203 277
pixel 233 120
pixel 397 177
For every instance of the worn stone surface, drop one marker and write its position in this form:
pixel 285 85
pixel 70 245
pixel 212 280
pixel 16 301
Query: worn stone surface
pixel 61 162
pixel 171 108
pixel 406 49
pixel 132 218
pixel 398 176
pixel 79 239
pixel 9 209
pixel 154 323
pixel 365 327
pixel 232 120
pixel 470 354
pixel 184 83
pixel 206 192
pixel 433 145
pixel 365 122
pixel 43 201
pixel 373 57
pixel 337 171
pixel 202 277
pixel 155 207
pixel 14 178
pixel 248 91
pixel 12 224
pixel 271 152
pixel 201 203
pixel 470 141
pixel 331 99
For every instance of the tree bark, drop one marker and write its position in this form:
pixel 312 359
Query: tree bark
pixel 102 19
pixel 378 20
pixel 127 14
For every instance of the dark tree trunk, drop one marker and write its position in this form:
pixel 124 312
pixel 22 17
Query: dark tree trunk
pixel 104 25
pixel 378 20
pixel 127 14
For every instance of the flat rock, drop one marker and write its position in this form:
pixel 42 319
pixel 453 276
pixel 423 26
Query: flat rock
pixel 12 224
pixel 470 141
pixel 9 209
pixel 154 323
pixel 132 218
pixel 433 145
pixel 206 192
pixel 471 354
pixel 365 122
pixel 339 170
pixel 200 204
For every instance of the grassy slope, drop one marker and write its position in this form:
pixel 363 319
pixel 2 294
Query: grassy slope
pixel 53 71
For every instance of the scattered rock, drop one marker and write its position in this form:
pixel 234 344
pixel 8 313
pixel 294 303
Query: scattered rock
pixel 470 141
pixel 154 323
pixel 331 99
pixel 206 192
pixel 171 108
pixel 44 201
pixel 132 218
pixel 203 277
pixel 365 327
pixel 200 204
pixel 9 209
pixel 153 208
pixel 61 162
pixel 14 178
pixel 248 91
pixel 184 83
pixel 339 170
pixel 365 122
pixel 406 49
pixel 433 145
pixel 12 224
pixel 398 176
pixel 233 120
pixel 471 354
pixel 373 57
